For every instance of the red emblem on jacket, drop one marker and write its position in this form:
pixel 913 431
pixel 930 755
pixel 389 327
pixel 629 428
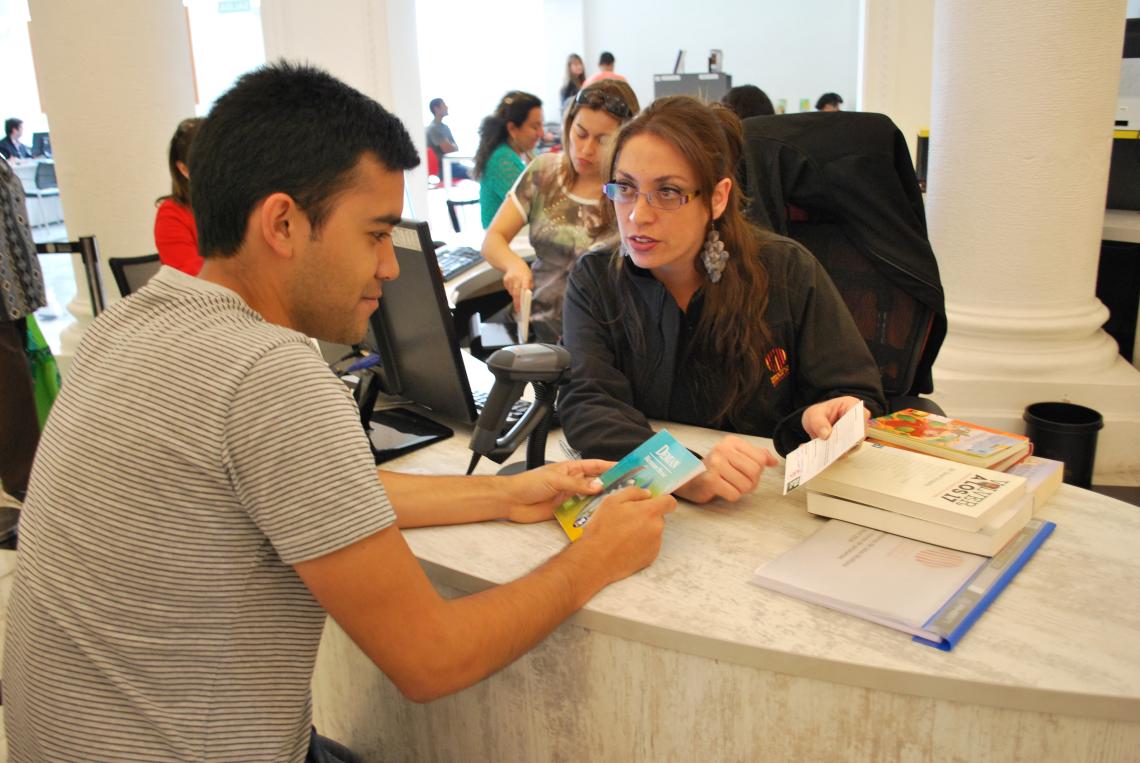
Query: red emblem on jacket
pixel 777 362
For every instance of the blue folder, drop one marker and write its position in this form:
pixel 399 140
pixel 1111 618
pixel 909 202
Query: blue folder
pixel 988 582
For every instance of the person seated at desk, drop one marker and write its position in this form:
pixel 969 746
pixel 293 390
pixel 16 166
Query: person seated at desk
pixel 506 143
pixel 177 562
pixel 700 317
pixel 175 234
pixel 560 197
pixel 10 145
pixel 440 140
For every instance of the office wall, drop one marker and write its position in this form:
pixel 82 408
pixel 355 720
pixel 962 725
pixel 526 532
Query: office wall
pixel 790 50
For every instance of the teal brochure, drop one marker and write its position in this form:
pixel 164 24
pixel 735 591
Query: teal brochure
pixel 660 465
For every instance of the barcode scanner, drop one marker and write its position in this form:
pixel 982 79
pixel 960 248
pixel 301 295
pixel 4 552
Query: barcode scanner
pixel 545 366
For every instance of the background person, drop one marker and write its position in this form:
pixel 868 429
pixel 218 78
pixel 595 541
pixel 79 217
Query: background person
pixel 829 102
pixel 605 70
pixel 10 145
pixel 175 234
pixel 559 196
pixel 748 101
pixel 21 294
pixel 177 564
pixel 572 82
pixel 440 140
pixel 506 144
pixel 700 317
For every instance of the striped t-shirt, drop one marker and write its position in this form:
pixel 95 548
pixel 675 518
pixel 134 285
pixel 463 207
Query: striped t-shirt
pixel 196 453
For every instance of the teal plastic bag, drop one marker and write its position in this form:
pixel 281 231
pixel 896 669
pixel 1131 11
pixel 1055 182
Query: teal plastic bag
pixel 45 372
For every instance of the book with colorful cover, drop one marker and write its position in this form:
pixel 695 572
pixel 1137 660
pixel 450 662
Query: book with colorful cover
pixel 660 465
pixel 948 438
pixel 917 485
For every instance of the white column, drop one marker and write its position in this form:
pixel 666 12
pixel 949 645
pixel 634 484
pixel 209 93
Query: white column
pixel 1023 101
pixel 115 78
pixel 895 63
pixel 370 46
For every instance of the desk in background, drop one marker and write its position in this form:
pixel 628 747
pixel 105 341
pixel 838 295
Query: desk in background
pixel 689 661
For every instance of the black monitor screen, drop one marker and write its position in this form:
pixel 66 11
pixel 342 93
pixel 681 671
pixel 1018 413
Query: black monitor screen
pixel 41 144
pixel 414 333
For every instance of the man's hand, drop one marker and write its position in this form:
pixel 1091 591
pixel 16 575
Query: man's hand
pixel 518 277
pixel 818 419
pixel 624 534
pixel 534 495
pixel 732 469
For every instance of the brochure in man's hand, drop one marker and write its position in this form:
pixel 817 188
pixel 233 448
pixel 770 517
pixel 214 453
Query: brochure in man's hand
pixel 660 465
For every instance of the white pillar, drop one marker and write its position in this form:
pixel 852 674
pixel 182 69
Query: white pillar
pixel 895 63
pixel 115 78
pixel 370 46
pixel 1023 101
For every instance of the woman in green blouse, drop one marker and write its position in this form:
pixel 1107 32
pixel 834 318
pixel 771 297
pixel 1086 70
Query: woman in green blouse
pixel 506 142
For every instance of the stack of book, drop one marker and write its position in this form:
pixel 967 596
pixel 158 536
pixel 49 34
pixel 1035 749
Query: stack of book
pixel 929 499
pixel 956 440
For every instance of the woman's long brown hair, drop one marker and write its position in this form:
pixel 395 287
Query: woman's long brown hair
pixel 179 151
pixel 731 335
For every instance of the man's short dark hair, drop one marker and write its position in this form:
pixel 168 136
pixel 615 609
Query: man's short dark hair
pixel 828 99
pixel 11 125
pixel 285 128
pixel 748 101
pixel 434 104
pixel 606 58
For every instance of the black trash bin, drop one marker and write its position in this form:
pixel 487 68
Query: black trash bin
pixel 1065 432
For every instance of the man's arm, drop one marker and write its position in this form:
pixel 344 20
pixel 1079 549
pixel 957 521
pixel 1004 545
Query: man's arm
pixel 430 646
pixel 532 496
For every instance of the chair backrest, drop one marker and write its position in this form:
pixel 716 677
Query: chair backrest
pixel 131 273
pixel 45 175
pixel 843 186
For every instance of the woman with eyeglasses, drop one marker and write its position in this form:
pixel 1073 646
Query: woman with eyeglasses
pixel 506 143
pixel 700 317
pixel 560 197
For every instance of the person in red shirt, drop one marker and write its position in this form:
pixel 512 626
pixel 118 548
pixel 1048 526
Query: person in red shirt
pixel 175 233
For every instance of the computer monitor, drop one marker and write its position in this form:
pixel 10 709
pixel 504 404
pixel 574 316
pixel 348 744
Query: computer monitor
pixel 41 145
pixel 414 334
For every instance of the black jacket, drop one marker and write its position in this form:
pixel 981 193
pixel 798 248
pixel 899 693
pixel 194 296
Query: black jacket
pixel 818 354
pixel 853 169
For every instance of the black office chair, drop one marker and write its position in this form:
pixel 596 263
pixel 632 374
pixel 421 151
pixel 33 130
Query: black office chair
pixel 46 188
pixel 843 185
pixel 132 273
pixel 452 204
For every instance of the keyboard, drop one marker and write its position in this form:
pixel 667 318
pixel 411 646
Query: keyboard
pixel 452 262
pixel 518 408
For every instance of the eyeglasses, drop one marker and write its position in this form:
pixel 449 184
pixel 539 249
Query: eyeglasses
pixel 596 99
pixel 665 198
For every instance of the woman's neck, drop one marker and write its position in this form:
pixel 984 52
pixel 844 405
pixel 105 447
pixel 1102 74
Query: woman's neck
pixel 681 280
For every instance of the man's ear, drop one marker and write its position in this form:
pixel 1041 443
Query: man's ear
pixel 280 223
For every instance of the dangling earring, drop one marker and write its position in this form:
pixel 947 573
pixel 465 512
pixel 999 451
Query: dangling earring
pixel 713 255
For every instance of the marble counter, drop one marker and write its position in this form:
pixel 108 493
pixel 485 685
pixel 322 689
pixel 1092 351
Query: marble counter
pixel 690 638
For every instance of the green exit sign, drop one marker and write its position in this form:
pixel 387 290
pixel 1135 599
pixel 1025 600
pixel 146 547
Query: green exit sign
pixel 233 6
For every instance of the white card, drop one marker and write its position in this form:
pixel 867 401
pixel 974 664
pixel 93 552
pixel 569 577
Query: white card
pixel 524 316
pixel 814 456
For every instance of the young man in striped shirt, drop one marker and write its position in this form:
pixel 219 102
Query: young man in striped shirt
pixel 204 495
